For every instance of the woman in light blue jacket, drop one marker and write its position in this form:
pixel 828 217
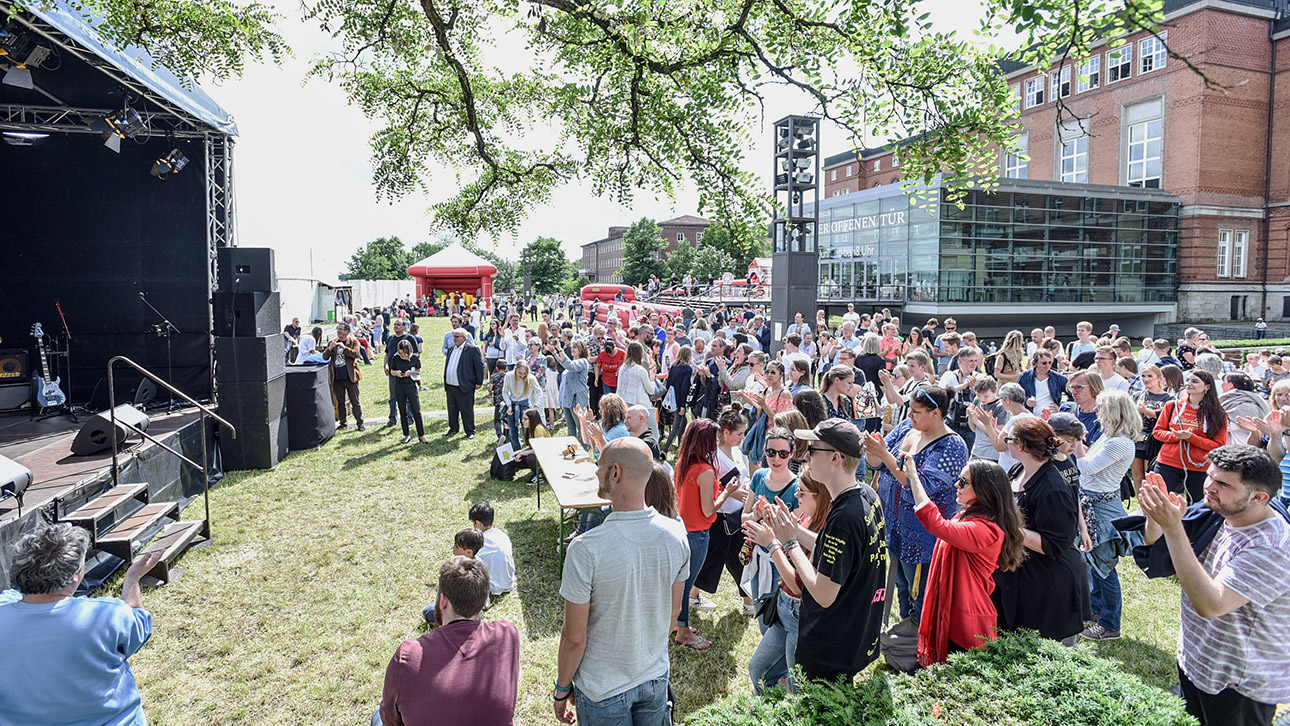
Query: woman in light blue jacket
pixel 573 384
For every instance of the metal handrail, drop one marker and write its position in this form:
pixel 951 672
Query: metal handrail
pixel 205 411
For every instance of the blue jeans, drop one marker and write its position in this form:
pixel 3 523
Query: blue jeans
pixel 698 553
pixel 606 388
pixel 643 705
pixel 911 585
pixel 515 419
pixel 777 653
pixel 571 425
pixel 1106 599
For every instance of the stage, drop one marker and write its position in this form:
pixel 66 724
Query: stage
pixel 64 482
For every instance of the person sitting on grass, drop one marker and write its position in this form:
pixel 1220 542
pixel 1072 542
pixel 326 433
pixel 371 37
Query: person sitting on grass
pixel 65 658
pixel 533 429
pixel 496 551
pixel 465 670
pixel 467 543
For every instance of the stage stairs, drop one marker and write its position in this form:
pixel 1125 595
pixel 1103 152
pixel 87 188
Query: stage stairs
pixel 123 525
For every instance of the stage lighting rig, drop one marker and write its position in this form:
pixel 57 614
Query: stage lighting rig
pixel 23 52
pixel 171 163
pixel 24 138
pixel 124 124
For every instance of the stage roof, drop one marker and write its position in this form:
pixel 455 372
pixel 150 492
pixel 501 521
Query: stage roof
pixel 136 63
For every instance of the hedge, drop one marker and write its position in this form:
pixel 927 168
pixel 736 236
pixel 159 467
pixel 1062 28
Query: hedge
pixel 1019 679
pixel 1251 343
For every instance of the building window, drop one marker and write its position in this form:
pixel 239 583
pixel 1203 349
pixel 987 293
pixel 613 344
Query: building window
pixel 680 237
pixel 877 164
pixel 895 162
pixel 834 177
pixel 1240 252
pixel 1034 92
pixel 1016 96
pixel 1145 144
pixel 1061 83
pixel 1015 166
pixel 1119 63
pixel 1151 53
pixel 848 170
pixel 1224 252
pixel 1090 74
pixel 1074 151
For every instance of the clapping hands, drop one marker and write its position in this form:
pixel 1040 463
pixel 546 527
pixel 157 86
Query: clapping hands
pixel 1164 507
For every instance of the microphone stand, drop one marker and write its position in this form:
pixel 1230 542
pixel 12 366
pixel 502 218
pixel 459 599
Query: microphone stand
pixel 165 332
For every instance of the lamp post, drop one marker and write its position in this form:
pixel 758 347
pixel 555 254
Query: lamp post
pixel 795 175
pixel 525 259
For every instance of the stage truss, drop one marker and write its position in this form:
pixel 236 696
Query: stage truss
pixel 164 120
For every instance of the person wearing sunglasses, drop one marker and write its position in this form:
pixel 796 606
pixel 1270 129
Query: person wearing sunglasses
pixel 940 455
pixel 775 481
pixel 985 536
pixel 1043 385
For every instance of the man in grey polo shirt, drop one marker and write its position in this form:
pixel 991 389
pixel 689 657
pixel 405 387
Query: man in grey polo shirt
pixel 622 586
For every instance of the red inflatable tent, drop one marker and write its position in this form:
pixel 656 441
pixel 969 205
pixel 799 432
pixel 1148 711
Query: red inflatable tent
pixel 454 269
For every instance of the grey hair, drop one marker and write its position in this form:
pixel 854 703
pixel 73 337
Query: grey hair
pixel 871 344
pixel 1210 363
pixel 1013 392
pixel 45 561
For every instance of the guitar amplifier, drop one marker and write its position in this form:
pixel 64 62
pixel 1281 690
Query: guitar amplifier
pixel 13 367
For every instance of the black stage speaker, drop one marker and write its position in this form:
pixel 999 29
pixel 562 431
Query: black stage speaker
pixel 246 269
pixel 14 479
pixel 257 446
pixel 258 358
pixel 14 395
pixel 311 418
pixel 247 314
pixel 13 366
pixel 96 435
pixel 253 402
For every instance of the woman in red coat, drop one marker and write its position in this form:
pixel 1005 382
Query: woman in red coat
pixel 985 535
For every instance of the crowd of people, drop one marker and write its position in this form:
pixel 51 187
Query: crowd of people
pixel 845 468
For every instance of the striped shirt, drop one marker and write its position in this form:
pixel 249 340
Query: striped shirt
pixel 1246 649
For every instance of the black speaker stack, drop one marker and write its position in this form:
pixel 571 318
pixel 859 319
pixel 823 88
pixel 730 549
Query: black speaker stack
pixel 250 358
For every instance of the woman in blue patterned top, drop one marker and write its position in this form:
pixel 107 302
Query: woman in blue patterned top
pixel 940 455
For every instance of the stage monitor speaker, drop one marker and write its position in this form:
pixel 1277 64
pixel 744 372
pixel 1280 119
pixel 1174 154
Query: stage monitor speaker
pixel 96 435
pixel 14 479
pixel 15 395
pixel 247 314
pixel 145 393
pixel 259 358
pixel 253 402
pixel 13 366
pixel 246 269
pixel 257 446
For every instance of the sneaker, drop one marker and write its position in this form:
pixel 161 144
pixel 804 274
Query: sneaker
pixel 1097 632
pixel 470 436
pixel 340 426
pixel 702 603
pixel 750 609
pixel 390 423
pixel 362 427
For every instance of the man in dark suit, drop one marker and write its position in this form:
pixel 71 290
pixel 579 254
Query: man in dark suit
pixel 463 374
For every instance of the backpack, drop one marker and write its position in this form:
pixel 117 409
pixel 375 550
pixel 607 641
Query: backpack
pixel 499 471
pixel 960 402
pixel 899 646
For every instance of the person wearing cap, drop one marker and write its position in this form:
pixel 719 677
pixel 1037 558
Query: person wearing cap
pixel 844 580
pixel 940 455
pixel 463 374
pixel 1113 332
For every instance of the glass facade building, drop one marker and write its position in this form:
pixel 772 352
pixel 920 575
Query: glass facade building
pixel 1024 242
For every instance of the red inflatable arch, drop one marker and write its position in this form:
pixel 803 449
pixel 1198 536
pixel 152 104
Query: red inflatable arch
pixel 454 269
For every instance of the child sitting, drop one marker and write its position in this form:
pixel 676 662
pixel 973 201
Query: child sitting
pixel 496 551
pixel 467 543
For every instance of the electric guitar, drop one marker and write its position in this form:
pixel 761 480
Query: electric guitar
pixel 47 392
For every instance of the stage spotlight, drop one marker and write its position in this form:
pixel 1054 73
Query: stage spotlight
pixel 24 138
pixel 171 163
pixel 19 76
pixel 124 124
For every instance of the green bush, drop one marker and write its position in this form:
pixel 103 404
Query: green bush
pixel 1250 343
pixel 1020 679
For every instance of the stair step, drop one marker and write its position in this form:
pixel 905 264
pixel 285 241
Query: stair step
pixel 99 514
pixel 172 542
pixel 124 537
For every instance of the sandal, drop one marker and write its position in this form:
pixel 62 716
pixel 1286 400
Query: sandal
pixel 422 439
pixel 406 439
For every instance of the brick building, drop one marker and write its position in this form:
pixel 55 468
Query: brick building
pixel 603 258
pixel 1135 117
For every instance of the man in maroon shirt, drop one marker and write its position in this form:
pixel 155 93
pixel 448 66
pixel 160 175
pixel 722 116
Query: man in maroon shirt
pixel 464 671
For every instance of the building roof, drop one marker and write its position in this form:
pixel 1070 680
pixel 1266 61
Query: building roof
pixel 136 63
pixel 685 220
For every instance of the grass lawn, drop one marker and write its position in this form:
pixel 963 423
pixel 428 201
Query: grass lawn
pixel 320 569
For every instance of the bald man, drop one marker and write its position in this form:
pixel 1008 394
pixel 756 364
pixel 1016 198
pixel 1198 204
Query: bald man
pixel 613 661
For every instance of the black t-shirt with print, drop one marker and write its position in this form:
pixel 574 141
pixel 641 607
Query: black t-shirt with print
pixel 397 363
pixel 1181 355
pixel 851 550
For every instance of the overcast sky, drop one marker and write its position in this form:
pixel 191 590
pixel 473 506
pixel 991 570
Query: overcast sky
pixel 304 175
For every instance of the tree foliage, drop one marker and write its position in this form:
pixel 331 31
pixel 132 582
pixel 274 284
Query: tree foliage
pixel 680 261
pixel 714 262
pixel 384 258
pixel 643 248
pixel 646 95
pixel 740 241
pixel 548 265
